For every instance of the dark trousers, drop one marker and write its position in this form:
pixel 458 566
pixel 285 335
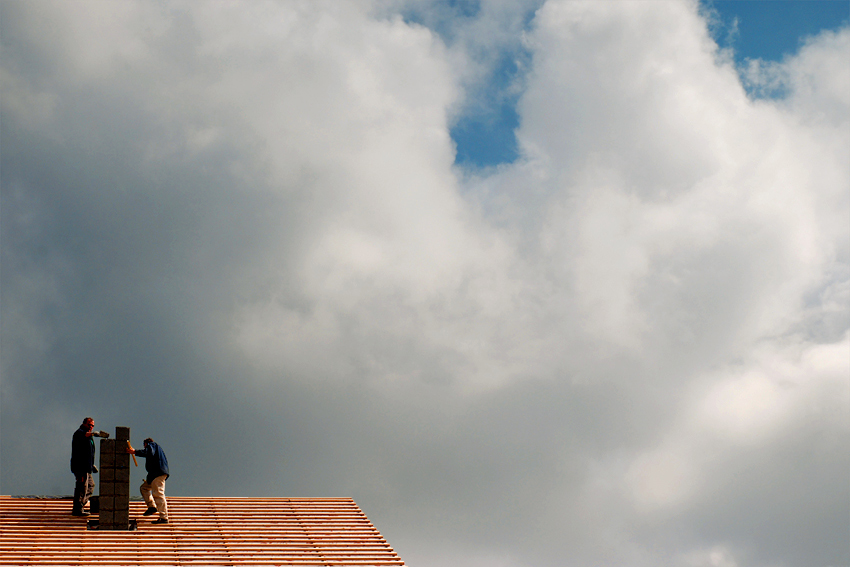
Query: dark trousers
pixel 83 489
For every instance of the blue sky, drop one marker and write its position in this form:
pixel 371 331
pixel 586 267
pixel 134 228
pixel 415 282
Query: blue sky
pixel 485 134
pixel 754 29
pixel 770 30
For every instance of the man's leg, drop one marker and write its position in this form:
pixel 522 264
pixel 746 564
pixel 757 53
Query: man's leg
pixel 79 494
pixel 158 489
pixel 145 489
pixel 89 488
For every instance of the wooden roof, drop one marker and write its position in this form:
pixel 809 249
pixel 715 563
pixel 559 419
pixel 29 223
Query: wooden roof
pixel 201 531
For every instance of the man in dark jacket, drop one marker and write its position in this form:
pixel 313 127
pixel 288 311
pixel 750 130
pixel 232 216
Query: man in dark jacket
pixel 82 464
pixel 153 487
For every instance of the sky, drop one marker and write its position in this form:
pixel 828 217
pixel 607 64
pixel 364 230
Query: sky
pixel 537 283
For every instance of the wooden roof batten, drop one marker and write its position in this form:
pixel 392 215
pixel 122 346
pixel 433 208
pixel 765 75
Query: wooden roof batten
pixel 201 532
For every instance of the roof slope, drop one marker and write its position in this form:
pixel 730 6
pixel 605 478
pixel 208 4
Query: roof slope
pixel 201 531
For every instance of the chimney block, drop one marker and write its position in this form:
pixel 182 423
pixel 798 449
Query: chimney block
pixel 115 482
pixel 122 460
pixel 107 458
pixel 121 475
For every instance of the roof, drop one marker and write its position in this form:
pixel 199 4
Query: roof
pixel 201 531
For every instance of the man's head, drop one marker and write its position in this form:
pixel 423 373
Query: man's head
pixel 88 423
pixel 148 441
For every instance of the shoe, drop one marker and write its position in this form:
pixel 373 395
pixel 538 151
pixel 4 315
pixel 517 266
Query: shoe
pixel 151 510
pixel 79 513
pixel 160 521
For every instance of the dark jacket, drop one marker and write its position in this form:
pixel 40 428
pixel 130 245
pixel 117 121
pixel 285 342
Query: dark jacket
pixel 82 453
pixel 155 462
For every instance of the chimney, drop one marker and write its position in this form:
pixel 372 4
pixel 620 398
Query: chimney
pixel 114 475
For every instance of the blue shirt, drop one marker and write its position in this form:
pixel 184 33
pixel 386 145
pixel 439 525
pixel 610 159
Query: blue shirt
pixel 155 461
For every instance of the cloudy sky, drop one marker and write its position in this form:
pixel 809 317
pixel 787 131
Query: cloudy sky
pixel 537 283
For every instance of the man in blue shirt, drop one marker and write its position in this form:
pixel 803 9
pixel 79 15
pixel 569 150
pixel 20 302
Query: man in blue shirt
pixel 153 487
pixel 82 464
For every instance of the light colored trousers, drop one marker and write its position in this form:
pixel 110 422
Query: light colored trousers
pixel 154 495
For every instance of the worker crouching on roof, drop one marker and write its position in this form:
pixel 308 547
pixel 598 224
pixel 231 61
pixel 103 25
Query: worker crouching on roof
pixel 153 487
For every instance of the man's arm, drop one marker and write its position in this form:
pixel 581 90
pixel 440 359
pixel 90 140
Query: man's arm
pixel 139 453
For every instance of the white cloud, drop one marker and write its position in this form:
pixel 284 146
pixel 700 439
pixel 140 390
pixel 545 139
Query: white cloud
pixel 780 389
pixel 617 349
pixel 714 557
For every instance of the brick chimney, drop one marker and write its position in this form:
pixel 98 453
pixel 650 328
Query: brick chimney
pixel 114 475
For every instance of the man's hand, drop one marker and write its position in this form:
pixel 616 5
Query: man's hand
pixel 132 452
pixel 103 434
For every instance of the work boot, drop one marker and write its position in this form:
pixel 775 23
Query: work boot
pixel 79 513
pixel 160 521
pixel 149 511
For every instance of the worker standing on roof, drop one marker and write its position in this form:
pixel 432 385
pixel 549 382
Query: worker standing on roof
pixel 153 487
pixel 82 464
